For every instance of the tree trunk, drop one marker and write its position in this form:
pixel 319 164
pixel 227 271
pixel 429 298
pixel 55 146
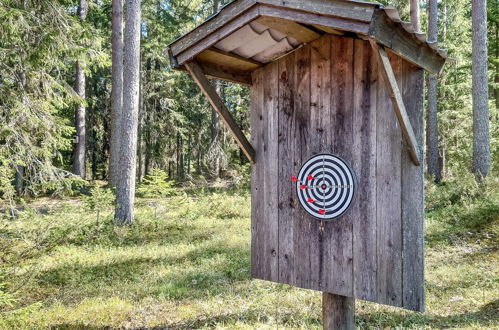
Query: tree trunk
pixel 189 154
pixel 19 169
pixel 19 180
pixel 140 142
pixel 117 89
pixel 125 182
pixel 215 121
pixel 496 76
pixel 105 149
pixel 481 139
pixel 415 15
pixel 92 145
pixel 432 157
pixel 147 126
pixel 80 125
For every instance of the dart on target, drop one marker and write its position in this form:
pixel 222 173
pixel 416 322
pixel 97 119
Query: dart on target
pixel 325 186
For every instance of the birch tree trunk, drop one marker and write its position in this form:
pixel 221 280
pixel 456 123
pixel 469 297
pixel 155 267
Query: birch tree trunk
pixel 481 139
pixel 80 125
pixel 117 88
pixel 432 156
pixel 125 181
pixel 415 15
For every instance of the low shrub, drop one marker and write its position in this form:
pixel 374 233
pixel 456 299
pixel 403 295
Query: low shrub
pixel 156 184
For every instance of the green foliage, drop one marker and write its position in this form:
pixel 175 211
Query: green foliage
pixel 185 264
pixel 463 210
pixel 99 200
pixel 7 192
pixel 156 184
pixel 35 124
pixel 6 299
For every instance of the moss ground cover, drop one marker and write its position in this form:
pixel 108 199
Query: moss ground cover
pixel 184 264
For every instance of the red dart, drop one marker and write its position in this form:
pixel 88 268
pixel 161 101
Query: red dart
pixel 322 211
pixel 294 178
pixel 310 177
pixel 310 200
pixel 303 186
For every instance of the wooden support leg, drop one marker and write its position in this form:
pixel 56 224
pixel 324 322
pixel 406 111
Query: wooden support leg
pixel 338 312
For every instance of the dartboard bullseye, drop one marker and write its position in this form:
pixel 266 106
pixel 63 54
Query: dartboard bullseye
pixel 325 186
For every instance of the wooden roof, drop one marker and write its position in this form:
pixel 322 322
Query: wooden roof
pixel 247 34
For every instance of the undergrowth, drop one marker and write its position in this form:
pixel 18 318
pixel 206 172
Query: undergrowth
pixel 184 264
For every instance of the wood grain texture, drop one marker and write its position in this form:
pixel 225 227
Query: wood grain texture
pixel 320 119
pixel 364 164
pixel 271 183
pixel 227 14
pixel 304 17
pixel 230 60
pixel 388 210
pixel 338 312
pixel 212 70
pixel 302 224
pixel 357 11
pixel 338 236
pixel 403 43
pixel 413 195
pixel 288 166
pixel 331 98
pixel 398 103
pixel 258 218
pixel 209 40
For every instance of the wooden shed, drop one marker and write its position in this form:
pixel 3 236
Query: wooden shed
pixel 327 77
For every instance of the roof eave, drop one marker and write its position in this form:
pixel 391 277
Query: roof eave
pixel 371 22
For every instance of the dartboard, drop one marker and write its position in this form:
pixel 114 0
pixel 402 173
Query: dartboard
pixel 325 186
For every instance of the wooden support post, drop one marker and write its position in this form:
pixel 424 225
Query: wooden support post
pixel 219 106
pixel 338 312
pixel 398 103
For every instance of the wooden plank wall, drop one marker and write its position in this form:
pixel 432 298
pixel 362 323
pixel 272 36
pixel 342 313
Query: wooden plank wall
pixel 328 96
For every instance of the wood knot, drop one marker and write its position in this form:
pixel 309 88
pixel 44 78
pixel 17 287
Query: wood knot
pixel 284 76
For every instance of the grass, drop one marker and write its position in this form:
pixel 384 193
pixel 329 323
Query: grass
pixel 184 264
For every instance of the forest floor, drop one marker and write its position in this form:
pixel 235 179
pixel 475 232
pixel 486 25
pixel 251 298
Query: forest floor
pixel 184 264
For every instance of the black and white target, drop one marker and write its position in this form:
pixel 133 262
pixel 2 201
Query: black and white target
pixel 325 186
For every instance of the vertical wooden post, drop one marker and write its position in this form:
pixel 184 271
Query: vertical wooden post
pixel 338 312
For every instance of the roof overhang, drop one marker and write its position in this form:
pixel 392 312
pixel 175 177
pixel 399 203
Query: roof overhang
pixel 247 34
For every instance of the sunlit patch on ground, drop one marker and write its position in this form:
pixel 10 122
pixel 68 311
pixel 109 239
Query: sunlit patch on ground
pixel 185 264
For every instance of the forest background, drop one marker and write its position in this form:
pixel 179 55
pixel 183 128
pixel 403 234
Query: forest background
pixel 43 40
pixel 183 149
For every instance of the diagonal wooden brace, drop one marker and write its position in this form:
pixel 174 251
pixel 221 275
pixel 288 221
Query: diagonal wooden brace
pixel 219 106
pixel 398 103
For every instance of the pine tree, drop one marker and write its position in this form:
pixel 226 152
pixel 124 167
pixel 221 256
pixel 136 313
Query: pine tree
pixel 80 124
pixel 481 139
pixel 125 182
pixel 117 88
pixel 432 120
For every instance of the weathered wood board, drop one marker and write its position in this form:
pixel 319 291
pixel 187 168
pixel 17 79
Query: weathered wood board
pixel 329 96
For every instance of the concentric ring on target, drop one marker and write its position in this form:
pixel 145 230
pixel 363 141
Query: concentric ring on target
pixel 325 186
